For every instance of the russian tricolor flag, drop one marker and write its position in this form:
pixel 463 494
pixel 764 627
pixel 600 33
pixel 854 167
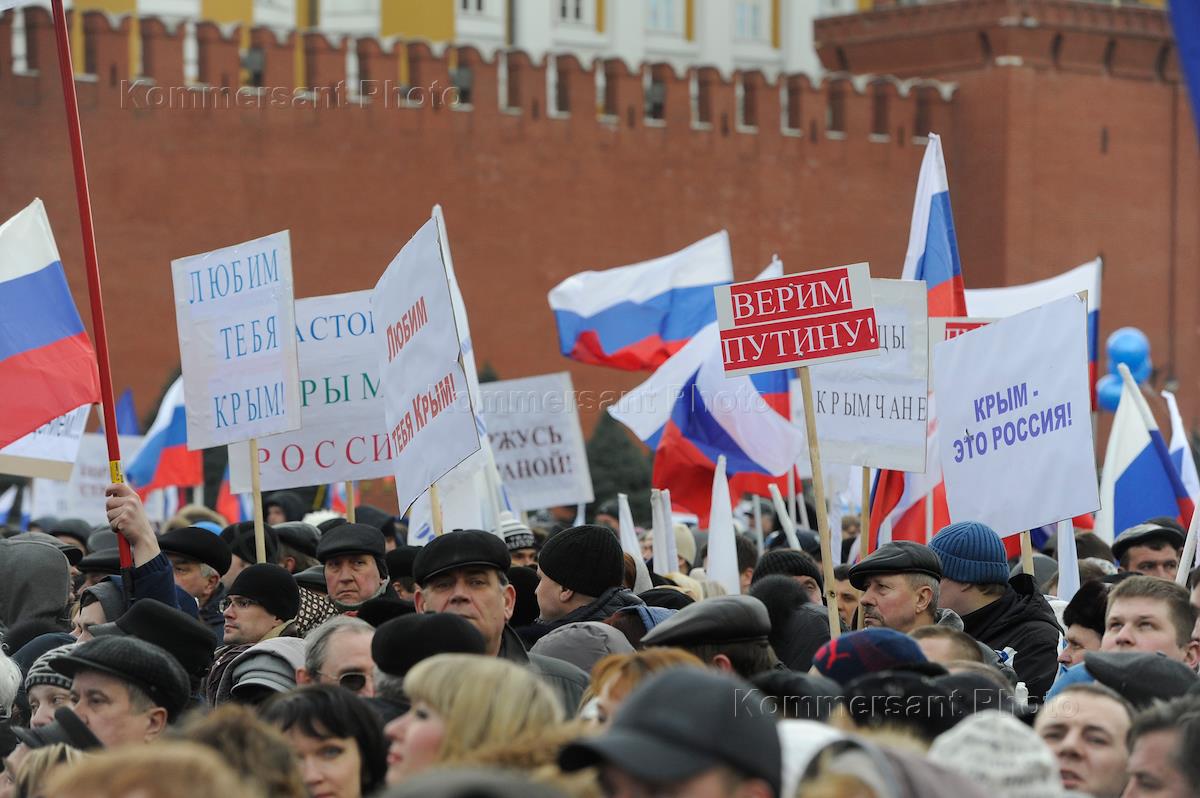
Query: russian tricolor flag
pixel 1181 450
pixel 164 459
pixel 47 364
pixel 1139 480
pixel 932 256
pixel 635 317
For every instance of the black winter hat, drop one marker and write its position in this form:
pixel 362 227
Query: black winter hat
pixel 142 664
pixel 330 523
pixel 381 609
pixel 897 557
pixel 272 587
pixel 179 634
pixel 101 539
pixel 105 561
pixel 401 643
pixel 66 728
pixel 400 561
pixel 300 536
pixel 372 516
pixel 240 538
pixel 1087 607
pixel 587 559
pixel 75 528
pixel 460 549
pixel 199 545
pixel 787 562
pixel 524 581
pixel 667 597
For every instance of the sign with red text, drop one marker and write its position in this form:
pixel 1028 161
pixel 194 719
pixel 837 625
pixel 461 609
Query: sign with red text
pixel 427 407
pixel 1014 409
pixel 797 320
pixel 234 313
pixel 533 426
pixel 947 328
pixel 343 433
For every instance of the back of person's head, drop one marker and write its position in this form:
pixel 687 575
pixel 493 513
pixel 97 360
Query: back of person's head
pixel 782 596
pixel 1175 597
pixel 481 700
pixel 162 770
pixel 257 751
pixel 797 696
pixel 38 765
pixel 322 712
pixel 747 552
pixel 960 644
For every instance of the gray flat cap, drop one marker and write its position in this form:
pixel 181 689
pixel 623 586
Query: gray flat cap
pixel 722 619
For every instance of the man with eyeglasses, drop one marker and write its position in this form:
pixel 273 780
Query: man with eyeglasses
pixel 339 652
pixel 263 602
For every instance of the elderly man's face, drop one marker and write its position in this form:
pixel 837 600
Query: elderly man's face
pixel 891 601
pixel 352 578
pixel 106 707
pixel 475 593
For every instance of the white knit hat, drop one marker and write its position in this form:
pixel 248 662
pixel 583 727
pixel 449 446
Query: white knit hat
pixel 516 535
pixel 1002 754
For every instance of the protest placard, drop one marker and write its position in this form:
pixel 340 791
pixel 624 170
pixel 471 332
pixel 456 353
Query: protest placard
pixel 50 451
pixel 874 411
pixel 82 495
pixel 796 320
pixel 427 406
pixel 1016 435
pixel 533 425
pixel 343 434
pixel 234 311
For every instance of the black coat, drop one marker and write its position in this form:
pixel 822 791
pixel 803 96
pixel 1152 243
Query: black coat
pixel 1023 621
pixel 608 602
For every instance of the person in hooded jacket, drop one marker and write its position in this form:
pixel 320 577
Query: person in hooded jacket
pixel 282 506
pixel 35 581
pixel 798 627
pixel 1008 615
pixel 582 573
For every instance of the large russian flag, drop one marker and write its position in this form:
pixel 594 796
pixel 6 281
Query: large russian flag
pixel 47 364
pixel 932 256
pixel 635 317
pixel 164 459
pixel 1139 481
pixel 1014 299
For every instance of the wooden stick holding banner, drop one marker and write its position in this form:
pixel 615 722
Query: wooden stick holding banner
pixel 351 504
pixel 814 453
pixel 1026 553
pixel 92 263
pixel 435 509
pixel 928 517
pixel 260 540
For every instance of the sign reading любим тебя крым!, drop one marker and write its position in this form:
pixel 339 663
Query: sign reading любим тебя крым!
pixel 235 317
pixel 796 320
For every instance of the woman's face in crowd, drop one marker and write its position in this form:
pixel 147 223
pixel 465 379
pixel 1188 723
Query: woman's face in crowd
pixel 43 700
pixel 331 767
pixel 415 739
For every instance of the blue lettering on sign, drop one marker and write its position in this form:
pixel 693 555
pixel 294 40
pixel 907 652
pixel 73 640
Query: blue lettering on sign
pixel 256 403
pixel 1026 427
pixel 220 280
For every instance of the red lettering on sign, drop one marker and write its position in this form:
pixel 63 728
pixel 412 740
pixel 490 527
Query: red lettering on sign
pixel 791 296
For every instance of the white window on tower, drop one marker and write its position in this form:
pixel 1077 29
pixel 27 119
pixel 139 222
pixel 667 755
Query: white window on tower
pixel 664 16
pixel 471 6
pixel 576 12
pixel 752 19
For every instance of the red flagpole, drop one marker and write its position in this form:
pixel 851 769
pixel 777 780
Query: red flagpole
pixel 99 334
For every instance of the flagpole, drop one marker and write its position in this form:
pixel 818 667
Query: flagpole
pixel 814 454
pixel 83 200
pixel 351 505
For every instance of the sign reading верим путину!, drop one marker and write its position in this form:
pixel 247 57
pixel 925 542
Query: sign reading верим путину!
pixel 796 320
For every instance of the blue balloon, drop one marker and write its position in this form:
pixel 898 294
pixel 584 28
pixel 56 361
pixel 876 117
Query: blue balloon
pixel 1128 345
pixel 1108 392
pixel 1143 370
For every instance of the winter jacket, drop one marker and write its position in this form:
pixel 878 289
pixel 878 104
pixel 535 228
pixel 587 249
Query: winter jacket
pixel 227 655
pixel 211 615
pixel 155 579
pixel 34 583
pixel 567 681
pixel 1022 624
pixel 608 602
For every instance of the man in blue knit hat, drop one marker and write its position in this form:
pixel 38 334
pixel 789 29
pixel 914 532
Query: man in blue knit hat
pixel 1008 615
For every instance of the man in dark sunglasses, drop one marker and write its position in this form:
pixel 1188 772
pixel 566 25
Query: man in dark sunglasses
pixel 339 652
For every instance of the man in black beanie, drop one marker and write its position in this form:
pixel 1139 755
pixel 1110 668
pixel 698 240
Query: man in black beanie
pixel 262 601
pixel 582 570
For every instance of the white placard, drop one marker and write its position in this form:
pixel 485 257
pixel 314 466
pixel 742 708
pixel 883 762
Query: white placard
pixel 533 425
pixel 343 435
pixel 1014 409
pixel 426 402
pixel 82 496
pixel 874 411
pixel 233 308
pixel 50 451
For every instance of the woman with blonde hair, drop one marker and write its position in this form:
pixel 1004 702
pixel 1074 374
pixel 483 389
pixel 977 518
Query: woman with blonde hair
pixel 461 702
pixel 161 770
pixel 615 676
pixel 36 768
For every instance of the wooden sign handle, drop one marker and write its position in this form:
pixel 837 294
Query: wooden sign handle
pixel 814 455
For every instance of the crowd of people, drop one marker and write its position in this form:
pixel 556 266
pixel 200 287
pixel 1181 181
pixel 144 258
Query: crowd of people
pixel 330 659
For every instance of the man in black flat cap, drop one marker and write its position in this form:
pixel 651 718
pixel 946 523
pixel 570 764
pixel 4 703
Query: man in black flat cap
pixel 685 732
pixel 125 690
pixel 355 570
pixel 401 643
pixel 901 582
pixel 728 633
pixel 297 545
pixel 200 559
pixel 1151 549
pixel 466 572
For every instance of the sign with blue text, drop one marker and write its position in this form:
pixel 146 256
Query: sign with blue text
pixel 343 435
pixel 237 346
pixel 427 406
pixel 1014 410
